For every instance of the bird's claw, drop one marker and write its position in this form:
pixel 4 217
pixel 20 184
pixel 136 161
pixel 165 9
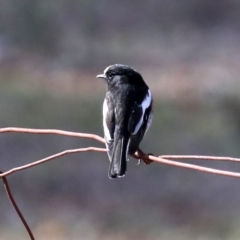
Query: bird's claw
pixel 141 155
pixel 148 161
pixel 138 161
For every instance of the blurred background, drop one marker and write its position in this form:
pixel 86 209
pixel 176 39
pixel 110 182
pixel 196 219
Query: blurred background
pixel 189 54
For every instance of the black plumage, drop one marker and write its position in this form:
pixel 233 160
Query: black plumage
pixel 127 115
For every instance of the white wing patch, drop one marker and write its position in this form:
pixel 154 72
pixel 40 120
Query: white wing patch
pixel 105 128
pixel 145 104
pixel 150 117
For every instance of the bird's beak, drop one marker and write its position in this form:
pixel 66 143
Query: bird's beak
pixel 101 76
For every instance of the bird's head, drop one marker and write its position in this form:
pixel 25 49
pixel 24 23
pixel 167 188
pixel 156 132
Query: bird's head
pixel 119 73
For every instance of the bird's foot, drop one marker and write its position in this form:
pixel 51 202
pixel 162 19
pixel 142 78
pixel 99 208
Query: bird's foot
pixel 148 161
pixel 144 157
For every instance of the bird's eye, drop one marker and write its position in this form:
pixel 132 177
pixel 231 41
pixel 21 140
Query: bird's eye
pixel 110 75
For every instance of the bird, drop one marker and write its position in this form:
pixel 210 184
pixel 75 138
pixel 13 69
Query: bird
pixel 127 115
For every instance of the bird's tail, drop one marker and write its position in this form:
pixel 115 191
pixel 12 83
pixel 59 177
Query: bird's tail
pixel 118 165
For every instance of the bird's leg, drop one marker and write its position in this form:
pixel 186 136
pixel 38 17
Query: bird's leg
pixel 142 157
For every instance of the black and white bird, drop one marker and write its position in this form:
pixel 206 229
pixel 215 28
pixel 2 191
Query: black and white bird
pixel 127 115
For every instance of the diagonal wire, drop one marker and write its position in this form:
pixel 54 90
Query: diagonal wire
pixel 14 204
pixel 51 158
pixel 188 157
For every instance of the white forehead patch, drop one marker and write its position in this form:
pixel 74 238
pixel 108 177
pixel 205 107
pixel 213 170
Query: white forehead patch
pixel 106 69
pixel 118 65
